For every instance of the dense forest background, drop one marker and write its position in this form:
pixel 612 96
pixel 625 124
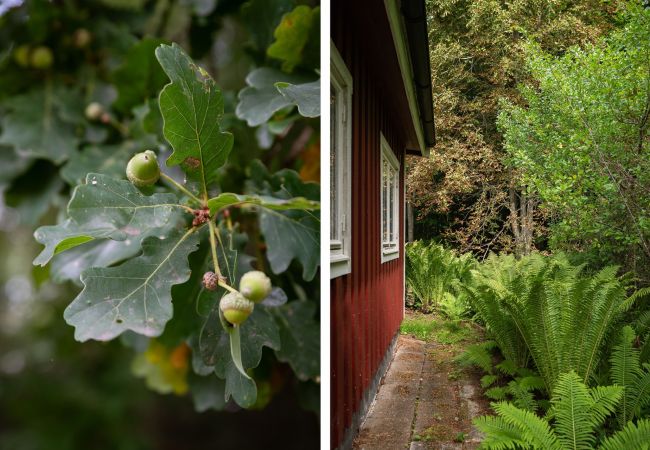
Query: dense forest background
pixel 495 182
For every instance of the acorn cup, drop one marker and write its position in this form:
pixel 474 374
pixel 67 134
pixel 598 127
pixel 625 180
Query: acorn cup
pixel 236 308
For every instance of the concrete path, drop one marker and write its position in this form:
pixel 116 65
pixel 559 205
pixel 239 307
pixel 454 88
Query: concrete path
pixel 424 402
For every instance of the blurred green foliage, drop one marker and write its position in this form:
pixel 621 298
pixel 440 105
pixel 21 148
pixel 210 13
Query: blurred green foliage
pixel 56 60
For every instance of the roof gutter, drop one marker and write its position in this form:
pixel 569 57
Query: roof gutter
pixel 415 18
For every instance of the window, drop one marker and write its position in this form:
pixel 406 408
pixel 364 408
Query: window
pixel 389 202
pixel 340 166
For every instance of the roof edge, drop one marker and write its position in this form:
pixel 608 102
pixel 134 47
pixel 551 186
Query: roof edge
pixel 409 30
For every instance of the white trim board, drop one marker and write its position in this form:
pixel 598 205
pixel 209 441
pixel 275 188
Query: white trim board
pixel 400 41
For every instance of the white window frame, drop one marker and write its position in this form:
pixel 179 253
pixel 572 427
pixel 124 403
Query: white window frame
pixel 341 246
pixel 389 249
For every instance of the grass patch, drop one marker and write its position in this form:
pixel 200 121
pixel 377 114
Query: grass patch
pixel 431 327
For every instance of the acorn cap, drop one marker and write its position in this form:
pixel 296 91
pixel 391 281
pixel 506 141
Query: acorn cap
pixel 236 308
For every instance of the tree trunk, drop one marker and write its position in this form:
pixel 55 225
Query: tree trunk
pixel 521 218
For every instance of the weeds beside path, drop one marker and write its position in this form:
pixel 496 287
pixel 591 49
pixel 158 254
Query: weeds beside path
pixel 426 401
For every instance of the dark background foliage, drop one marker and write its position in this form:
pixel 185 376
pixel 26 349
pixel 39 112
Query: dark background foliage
pixel 56 393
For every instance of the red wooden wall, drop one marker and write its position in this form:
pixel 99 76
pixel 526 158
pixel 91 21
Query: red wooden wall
pixel 367 304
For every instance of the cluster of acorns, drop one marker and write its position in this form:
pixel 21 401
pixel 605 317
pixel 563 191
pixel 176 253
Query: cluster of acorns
pixel 39 57
pixel 254 286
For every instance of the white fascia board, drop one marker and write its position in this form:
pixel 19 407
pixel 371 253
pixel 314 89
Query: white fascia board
pixel 398 31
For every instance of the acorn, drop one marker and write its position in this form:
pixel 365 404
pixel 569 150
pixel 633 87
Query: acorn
pixel 81 38
pixel 21 55
pixel 142 170
pixel 41 57
pixel 255 286
pixel 236 308
pixel 94 111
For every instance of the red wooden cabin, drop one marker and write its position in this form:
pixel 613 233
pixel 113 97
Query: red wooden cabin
pixel 381 109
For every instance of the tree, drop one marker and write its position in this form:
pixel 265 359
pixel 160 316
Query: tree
pixel 477 57
pixel 580 141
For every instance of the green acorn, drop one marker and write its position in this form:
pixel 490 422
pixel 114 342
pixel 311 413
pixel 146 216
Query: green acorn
pixel 143 169
pixel 21 55
pixel 255 286
pixel 41 57
pixel 236 308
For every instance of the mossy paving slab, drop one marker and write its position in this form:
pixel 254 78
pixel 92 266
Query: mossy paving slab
pixel 388 423
pixel 449 399
pixel 424 402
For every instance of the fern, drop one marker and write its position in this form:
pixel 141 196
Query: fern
pixel 633 436
pixel 515 428
pixel 576 413
pixel 488 380
pixel 548 310
pixel 432 272
pixel 479 355
pixel 627 372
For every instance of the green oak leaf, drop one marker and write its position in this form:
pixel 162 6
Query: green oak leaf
pixel 32 200
pixel 292 36
pixel 36 124
pixel 139 76
pixel 291 235
pixel 305 96
pixel 105 208
pixel 192 107
pixel 261 99
pixel 135 295
pixel 68 265
pixel 105 159
pixel 208 392
pixel 241 388
pixel 261 17
pixel 112 159
pixel 12 165
pixel 227 199
pixel 260 330
pixel 299 337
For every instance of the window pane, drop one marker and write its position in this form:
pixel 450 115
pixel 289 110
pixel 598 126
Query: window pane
pixel 334 225
pixel 384 222
pixel 391 204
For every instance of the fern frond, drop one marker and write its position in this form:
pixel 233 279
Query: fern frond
pixel 488 380
pixel 574 408
pixel 532 431
pixel 629 302
pixel 633 436
pixel 499 435
pixel 522 396
pixel 478 355
pixel 625 371
pixel 641 391
pixel 507 367
pixel 497 393
pixel 605 399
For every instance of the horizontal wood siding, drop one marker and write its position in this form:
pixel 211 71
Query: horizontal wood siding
pixel 367 304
